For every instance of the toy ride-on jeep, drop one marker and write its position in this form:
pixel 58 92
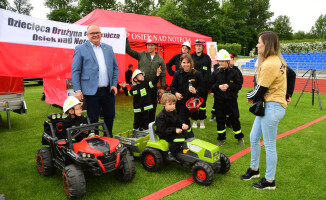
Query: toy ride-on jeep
pixel 203 157
pixel 98 154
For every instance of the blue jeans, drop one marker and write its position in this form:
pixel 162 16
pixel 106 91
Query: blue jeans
pixel 266 125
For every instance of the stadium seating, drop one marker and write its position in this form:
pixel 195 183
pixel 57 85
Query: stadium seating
pixel 298 61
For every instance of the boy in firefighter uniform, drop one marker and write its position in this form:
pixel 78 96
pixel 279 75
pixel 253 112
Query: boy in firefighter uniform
pixel 142 101
pixel 225 84
pixel 170 127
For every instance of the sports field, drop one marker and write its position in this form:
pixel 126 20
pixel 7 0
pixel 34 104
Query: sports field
pixel 300 171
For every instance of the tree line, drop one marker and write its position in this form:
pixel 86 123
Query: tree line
pixel 226 21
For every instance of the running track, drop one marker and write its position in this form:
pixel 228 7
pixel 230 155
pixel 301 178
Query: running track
pixel 181 184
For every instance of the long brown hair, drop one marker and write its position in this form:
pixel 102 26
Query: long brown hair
pixel 272 46
pixel 188 57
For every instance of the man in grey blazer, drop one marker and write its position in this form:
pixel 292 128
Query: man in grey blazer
pixel 94 74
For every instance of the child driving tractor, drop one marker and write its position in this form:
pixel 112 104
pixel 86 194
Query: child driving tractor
pixel 170 127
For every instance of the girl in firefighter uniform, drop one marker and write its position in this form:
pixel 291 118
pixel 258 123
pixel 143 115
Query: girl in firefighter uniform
pixel 225 84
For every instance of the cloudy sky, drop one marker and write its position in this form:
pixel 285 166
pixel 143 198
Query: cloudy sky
pixel 303 14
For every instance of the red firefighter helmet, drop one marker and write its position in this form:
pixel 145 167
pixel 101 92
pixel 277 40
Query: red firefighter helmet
pixel 200 41
pixel 194 103
pixel 151 40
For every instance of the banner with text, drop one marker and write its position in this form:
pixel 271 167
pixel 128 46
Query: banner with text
pixel 33 47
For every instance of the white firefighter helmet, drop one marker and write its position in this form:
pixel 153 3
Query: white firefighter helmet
pixel 223 55
pixel 187 44
pixel 136 72
pixel 70 102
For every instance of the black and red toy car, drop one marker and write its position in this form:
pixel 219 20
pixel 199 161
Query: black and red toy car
pixel 98 154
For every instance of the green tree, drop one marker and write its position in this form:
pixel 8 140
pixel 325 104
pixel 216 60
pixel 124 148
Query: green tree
pixel 170 12
pixel 143 7
pixel 63 10
pixel 87 6
pixel 22 6
pixel 299 35
pixel 282 26
pixel 4 4
pixel 319 27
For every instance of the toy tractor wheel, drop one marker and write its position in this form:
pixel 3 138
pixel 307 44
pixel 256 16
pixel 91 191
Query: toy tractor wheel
pixel 152 159
pixel 74 181
pixel 44 162
pixel 202 173
pixel 127 170
pixel 225 163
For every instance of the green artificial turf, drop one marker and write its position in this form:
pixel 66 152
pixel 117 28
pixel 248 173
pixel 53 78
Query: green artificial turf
pixel 300 169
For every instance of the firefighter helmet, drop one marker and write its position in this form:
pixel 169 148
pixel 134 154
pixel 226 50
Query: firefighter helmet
pixel 194 103
pixel 70 102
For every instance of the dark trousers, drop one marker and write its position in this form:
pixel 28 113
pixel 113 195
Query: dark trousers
pixel 223 108
pixel 175 146
pixel 102 99
pixel 201 113
pixel 152 112
pixel 141 120
pixel 184 115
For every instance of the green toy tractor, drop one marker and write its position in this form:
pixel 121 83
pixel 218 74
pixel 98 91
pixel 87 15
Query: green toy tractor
pixel 203 157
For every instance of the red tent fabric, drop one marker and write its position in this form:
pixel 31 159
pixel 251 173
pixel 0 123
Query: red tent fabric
pixel 141 27
pixel 11 85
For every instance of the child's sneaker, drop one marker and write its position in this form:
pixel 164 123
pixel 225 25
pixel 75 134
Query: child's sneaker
pixel 220 143
pixel 202 124
pixel 194 124
pixel 170 157
pixel 212 118
pixel 250 174
pixel 264 184
pixel 241 142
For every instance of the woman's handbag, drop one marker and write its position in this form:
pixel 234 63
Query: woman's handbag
pixel 258 108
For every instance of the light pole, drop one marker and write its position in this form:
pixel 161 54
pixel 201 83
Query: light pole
pixel 244 51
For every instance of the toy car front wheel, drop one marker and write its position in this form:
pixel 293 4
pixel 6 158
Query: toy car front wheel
pixel 152 159
pixel 202 173
pixel 44 162
pixel 74 181
pixel 225 163
pixel 127 170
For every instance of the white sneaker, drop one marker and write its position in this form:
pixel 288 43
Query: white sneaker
pixel 194 124
pixel 202 125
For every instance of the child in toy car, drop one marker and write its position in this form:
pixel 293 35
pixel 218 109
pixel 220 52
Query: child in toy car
pixel 73 108
pixel 170 127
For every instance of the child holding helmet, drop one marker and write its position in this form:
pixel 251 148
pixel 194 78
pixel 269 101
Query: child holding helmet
pixel 187 83
pixel 170 127
pixel 225 84
pixel 142 98
pixel 73 108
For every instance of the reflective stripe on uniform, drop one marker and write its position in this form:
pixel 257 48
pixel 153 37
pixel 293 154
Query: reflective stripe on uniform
pixel 237 132
pixel 151 84
pixel 222 131
pixel 213 109
pixel 129 93
pixel 189 130
pixel 148 107
pixel 227 116
pixel 179 140
pixel 137 110
pixel 135 92
pixel 202 108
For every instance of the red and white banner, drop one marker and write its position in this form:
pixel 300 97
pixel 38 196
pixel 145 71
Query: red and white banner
pixel 33 47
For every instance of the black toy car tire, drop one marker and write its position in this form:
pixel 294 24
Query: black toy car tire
pixel 202 173
pixel 44 162
pixel 225 164
pixel 152 159
pixel 74 181
pixel 127 170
